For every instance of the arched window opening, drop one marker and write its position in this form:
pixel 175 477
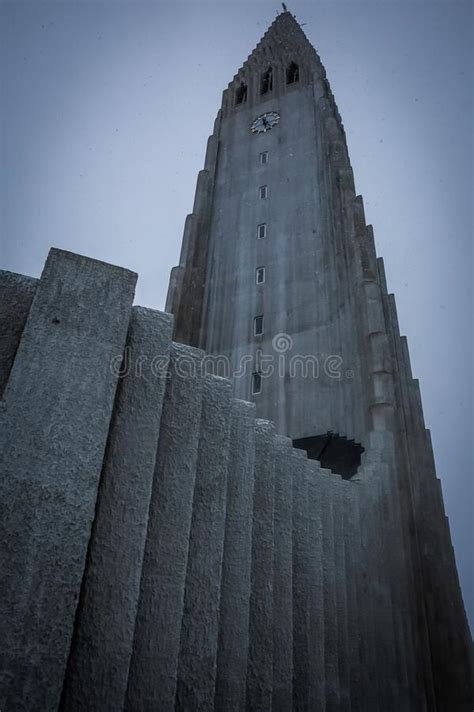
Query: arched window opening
pixel 241 93
pixel 267 81
pixel 334 452
pixel 292 73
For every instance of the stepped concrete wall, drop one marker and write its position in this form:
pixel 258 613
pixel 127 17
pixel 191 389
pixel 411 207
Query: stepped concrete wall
pixel 164 549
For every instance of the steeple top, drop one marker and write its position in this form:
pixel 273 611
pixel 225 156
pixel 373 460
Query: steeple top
pixel 282 60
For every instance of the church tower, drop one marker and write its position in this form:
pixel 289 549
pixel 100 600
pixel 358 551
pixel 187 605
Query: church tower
pixel 279 283
pixel 167 544
pixel 274 276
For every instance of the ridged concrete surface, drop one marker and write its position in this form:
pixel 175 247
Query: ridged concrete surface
pixel 223 571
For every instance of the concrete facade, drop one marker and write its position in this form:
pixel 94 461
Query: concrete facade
pixel 164 546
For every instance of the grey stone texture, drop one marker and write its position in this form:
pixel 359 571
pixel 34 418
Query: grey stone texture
pixel 200 621
pixel 16 295
pixel 105 623
pixel 154 665
pixel 164 547
pixel 231 674
pixel 54 422
pixel 326 290
pixel 260 655
pixel 282 697
pixel 170 551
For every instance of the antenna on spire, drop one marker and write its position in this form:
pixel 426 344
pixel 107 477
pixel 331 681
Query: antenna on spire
pixel 284 7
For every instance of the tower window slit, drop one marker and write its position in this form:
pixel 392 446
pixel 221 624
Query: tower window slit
pixel 263 192
pixel 292 73
pixel 266 83
pixel 260 275
pixel 263 158
pixel 256 383
pixel 241 93
pixel 258 325
pixel 261 230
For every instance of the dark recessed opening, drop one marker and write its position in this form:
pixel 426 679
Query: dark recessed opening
pixel 241 93
pixel 292 73
pixel 334 452
pixel 266 83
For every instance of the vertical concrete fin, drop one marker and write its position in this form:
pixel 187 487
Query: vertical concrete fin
pixel 406 356
pixel 199 628
pixel 375 514
pixel 316 682
pixel 282 578
pixel 301 546
pixel 16 295
pixel 353 558
pixel 103 638
pixel 260 657
pixel 382 279
pixel 236 566
pixel 331 653
pixel 341 591
pixel 153 668
pixel 57 405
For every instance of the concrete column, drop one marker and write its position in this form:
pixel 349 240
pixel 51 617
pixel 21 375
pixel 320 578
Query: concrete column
pixel 153 668
pixel 373 516
pixel 331 652
pixel 53 429
pixel 260 659
pixel 16 295
pixel 282 581
pixel 200 623
pixel 341 593
pixel 300 474
pixel 316 656
pixel 235 587
pixel 352 555
pixel 407 471
pixel 367 649
pixel 103 638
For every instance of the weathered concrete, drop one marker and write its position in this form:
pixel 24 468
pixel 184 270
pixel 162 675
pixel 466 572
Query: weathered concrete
pixel 260 657
pixel 331 653
pixel 282 697
pixel 301 581
pixel 154 664
pixel 316 653
pixel 234 573
pixel 233 640
pixel 343 658
pixel 102 646
pixel 16 295
pixel 353 558
pixel 199 627
pixel 308 290
pixel 53 429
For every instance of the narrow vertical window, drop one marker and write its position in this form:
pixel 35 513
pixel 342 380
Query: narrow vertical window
pixel 241 93
pixel 266 83
pixel 292 73
pixel 262 230
pixel 256 383
pixel 263 158
pixel 260 275
pixel 263 192
pixel 258 325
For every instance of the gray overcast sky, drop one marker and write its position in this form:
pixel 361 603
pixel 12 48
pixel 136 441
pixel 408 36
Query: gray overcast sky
pixel 106 109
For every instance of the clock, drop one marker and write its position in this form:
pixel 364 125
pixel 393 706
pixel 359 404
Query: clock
pixel 265 122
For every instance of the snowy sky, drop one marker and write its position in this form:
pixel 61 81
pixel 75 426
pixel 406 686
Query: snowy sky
pixel 106 109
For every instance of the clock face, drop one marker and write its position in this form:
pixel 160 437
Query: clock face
pixel 265 122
